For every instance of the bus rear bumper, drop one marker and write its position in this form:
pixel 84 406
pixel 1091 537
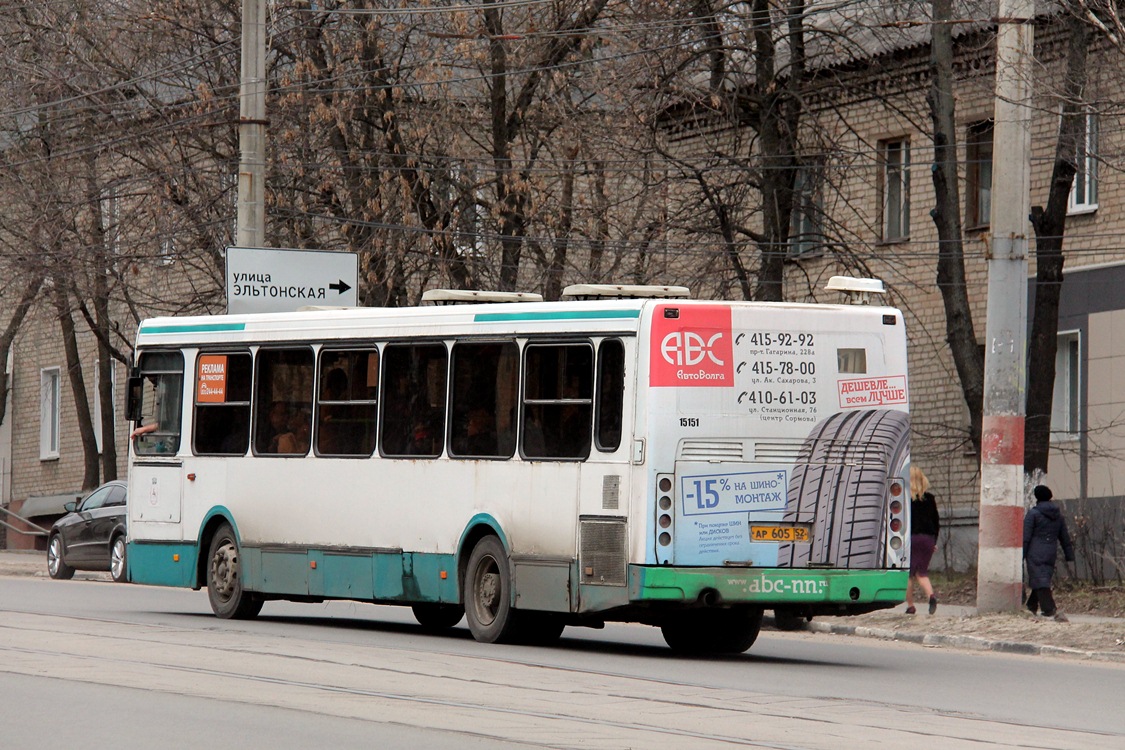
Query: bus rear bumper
pixel 850 591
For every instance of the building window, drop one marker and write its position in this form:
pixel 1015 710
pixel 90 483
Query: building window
pixel 49 393
pixel 1084 191
pixel 1064 406
pixel 894 158
pixel 978 152
pixel 808 207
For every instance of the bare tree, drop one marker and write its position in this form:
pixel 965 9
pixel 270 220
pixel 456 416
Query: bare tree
pixel 967 356
pixel 1050 226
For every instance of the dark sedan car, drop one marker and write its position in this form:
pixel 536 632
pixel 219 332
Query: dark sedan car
pixel 91 536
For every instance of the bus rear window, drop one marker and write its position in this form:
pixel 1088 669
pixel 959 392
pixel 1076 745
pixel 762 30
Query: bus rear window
pixel 852 361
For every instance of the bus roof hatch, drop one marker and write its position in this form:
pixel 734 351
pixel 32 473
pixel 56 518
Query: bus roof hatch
pixel 475 296
pixel 624 291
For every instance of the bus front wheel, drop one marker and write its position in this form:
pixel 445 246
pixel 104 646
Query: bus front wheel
pixel 224 579
pixel 488 592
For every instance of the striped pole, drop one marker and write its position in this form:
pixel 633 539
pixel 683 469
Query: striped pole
pixel 999 559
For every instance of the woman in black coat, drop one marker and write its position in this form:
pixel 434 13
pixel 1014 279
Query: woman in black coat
pixel 924 527
pixel 1043 529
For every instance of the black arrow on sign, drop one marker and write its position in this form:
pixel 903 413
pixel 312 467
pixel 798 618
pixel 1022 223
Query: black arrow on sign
pixel 341 287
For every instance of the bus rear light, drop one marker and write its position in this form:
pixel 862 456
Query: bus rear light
pixel 665 539
pixel 896 507
pixel 896 525
pixel 665 520
pixel 896 489
pixel 664 502
pixel 665 484
pixel 896 543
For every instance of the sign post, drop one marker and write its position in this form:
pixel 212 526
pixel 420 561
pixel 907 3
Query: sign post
pixel 267 280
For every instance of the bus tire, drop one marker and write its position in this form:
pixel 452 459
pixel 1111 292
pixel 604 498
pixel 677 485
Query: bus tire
pixel 488 593
pixel 58 569
pixel 713 631
pixel 437 617
pixel 538 628
pixel 856 449
pixel 788 620
pixel 118 568
pixel 224 579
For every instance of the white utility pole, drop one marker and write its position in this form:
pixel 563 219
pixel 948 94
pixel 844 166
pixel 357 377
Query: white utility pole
pixel 251 231
pixel 999 561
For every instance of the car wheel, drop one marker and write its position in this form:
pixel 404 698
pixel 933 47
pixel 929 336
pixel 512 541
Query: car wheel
pixel 117 553
pixel 56 566
pixel 488 593
pixel 224 579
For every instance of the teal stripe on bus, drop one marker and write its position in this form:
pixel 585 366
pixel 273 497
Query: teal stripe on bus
pixel 559 315
pixel 196 328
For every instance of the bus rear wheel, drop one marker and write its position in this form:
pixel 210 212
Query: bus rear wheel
pixel 488 593
pixel 224 579
pixel 713 631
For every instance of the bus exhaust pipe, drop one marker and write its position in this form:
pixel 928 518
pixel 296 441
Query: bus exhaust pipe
pixel 709 598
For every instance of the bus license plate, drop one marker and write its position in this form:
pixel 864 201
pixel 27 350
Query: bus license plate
pixel 779 534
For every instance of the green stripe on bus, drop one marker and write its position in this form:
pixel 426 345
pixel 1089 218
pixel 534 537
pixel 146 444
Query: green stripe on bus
pixel 195 328
pixel 560 315
pixel 767 586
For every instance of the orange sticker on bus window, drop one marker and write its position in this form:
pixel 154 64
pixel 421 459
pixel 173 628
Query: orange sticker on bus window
pixel 211 386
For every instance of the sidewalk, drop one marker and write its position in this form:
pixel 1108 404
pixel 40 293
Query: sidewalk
pixel 34 563
pixel 1084 637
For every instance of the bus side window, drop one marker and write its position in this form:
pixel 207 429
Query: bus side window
pixel 347 402
pixel 222 404
pixel 558 391
pixel 483 402
pixel 611 392
pixel 413 421
pixel 162 377
pixel 283 387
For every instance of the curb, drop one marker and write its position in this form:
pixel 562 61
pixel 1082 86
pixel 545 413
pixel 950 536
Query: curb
pixel 969 642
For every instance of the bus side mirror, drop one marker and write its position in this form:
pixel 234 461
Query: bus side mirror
pixel 133 397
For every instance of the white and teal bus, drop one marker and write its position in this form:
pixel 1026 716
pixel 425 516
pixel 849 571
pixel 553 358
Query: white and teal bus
pixel 629 455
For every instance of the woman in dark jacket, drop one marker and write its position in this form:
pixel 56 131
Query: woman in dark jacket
pixel 924 527
pixel 1043 529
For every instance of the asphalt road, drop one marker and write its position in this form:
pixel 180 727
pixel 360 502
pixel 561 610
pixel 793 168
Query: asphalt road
pixel 109 664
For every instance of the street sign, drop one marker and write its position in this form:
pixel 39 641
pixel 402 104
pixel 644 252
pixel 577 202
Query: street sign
pixel 269 280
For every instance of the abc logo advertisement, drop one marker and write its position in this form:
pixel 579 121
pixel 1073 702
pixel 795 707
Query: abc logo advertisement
pixel 693 349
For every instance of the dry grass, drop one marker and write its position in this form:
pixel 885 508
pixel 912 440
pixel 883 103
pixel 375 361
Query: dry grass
pixel 1080 597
